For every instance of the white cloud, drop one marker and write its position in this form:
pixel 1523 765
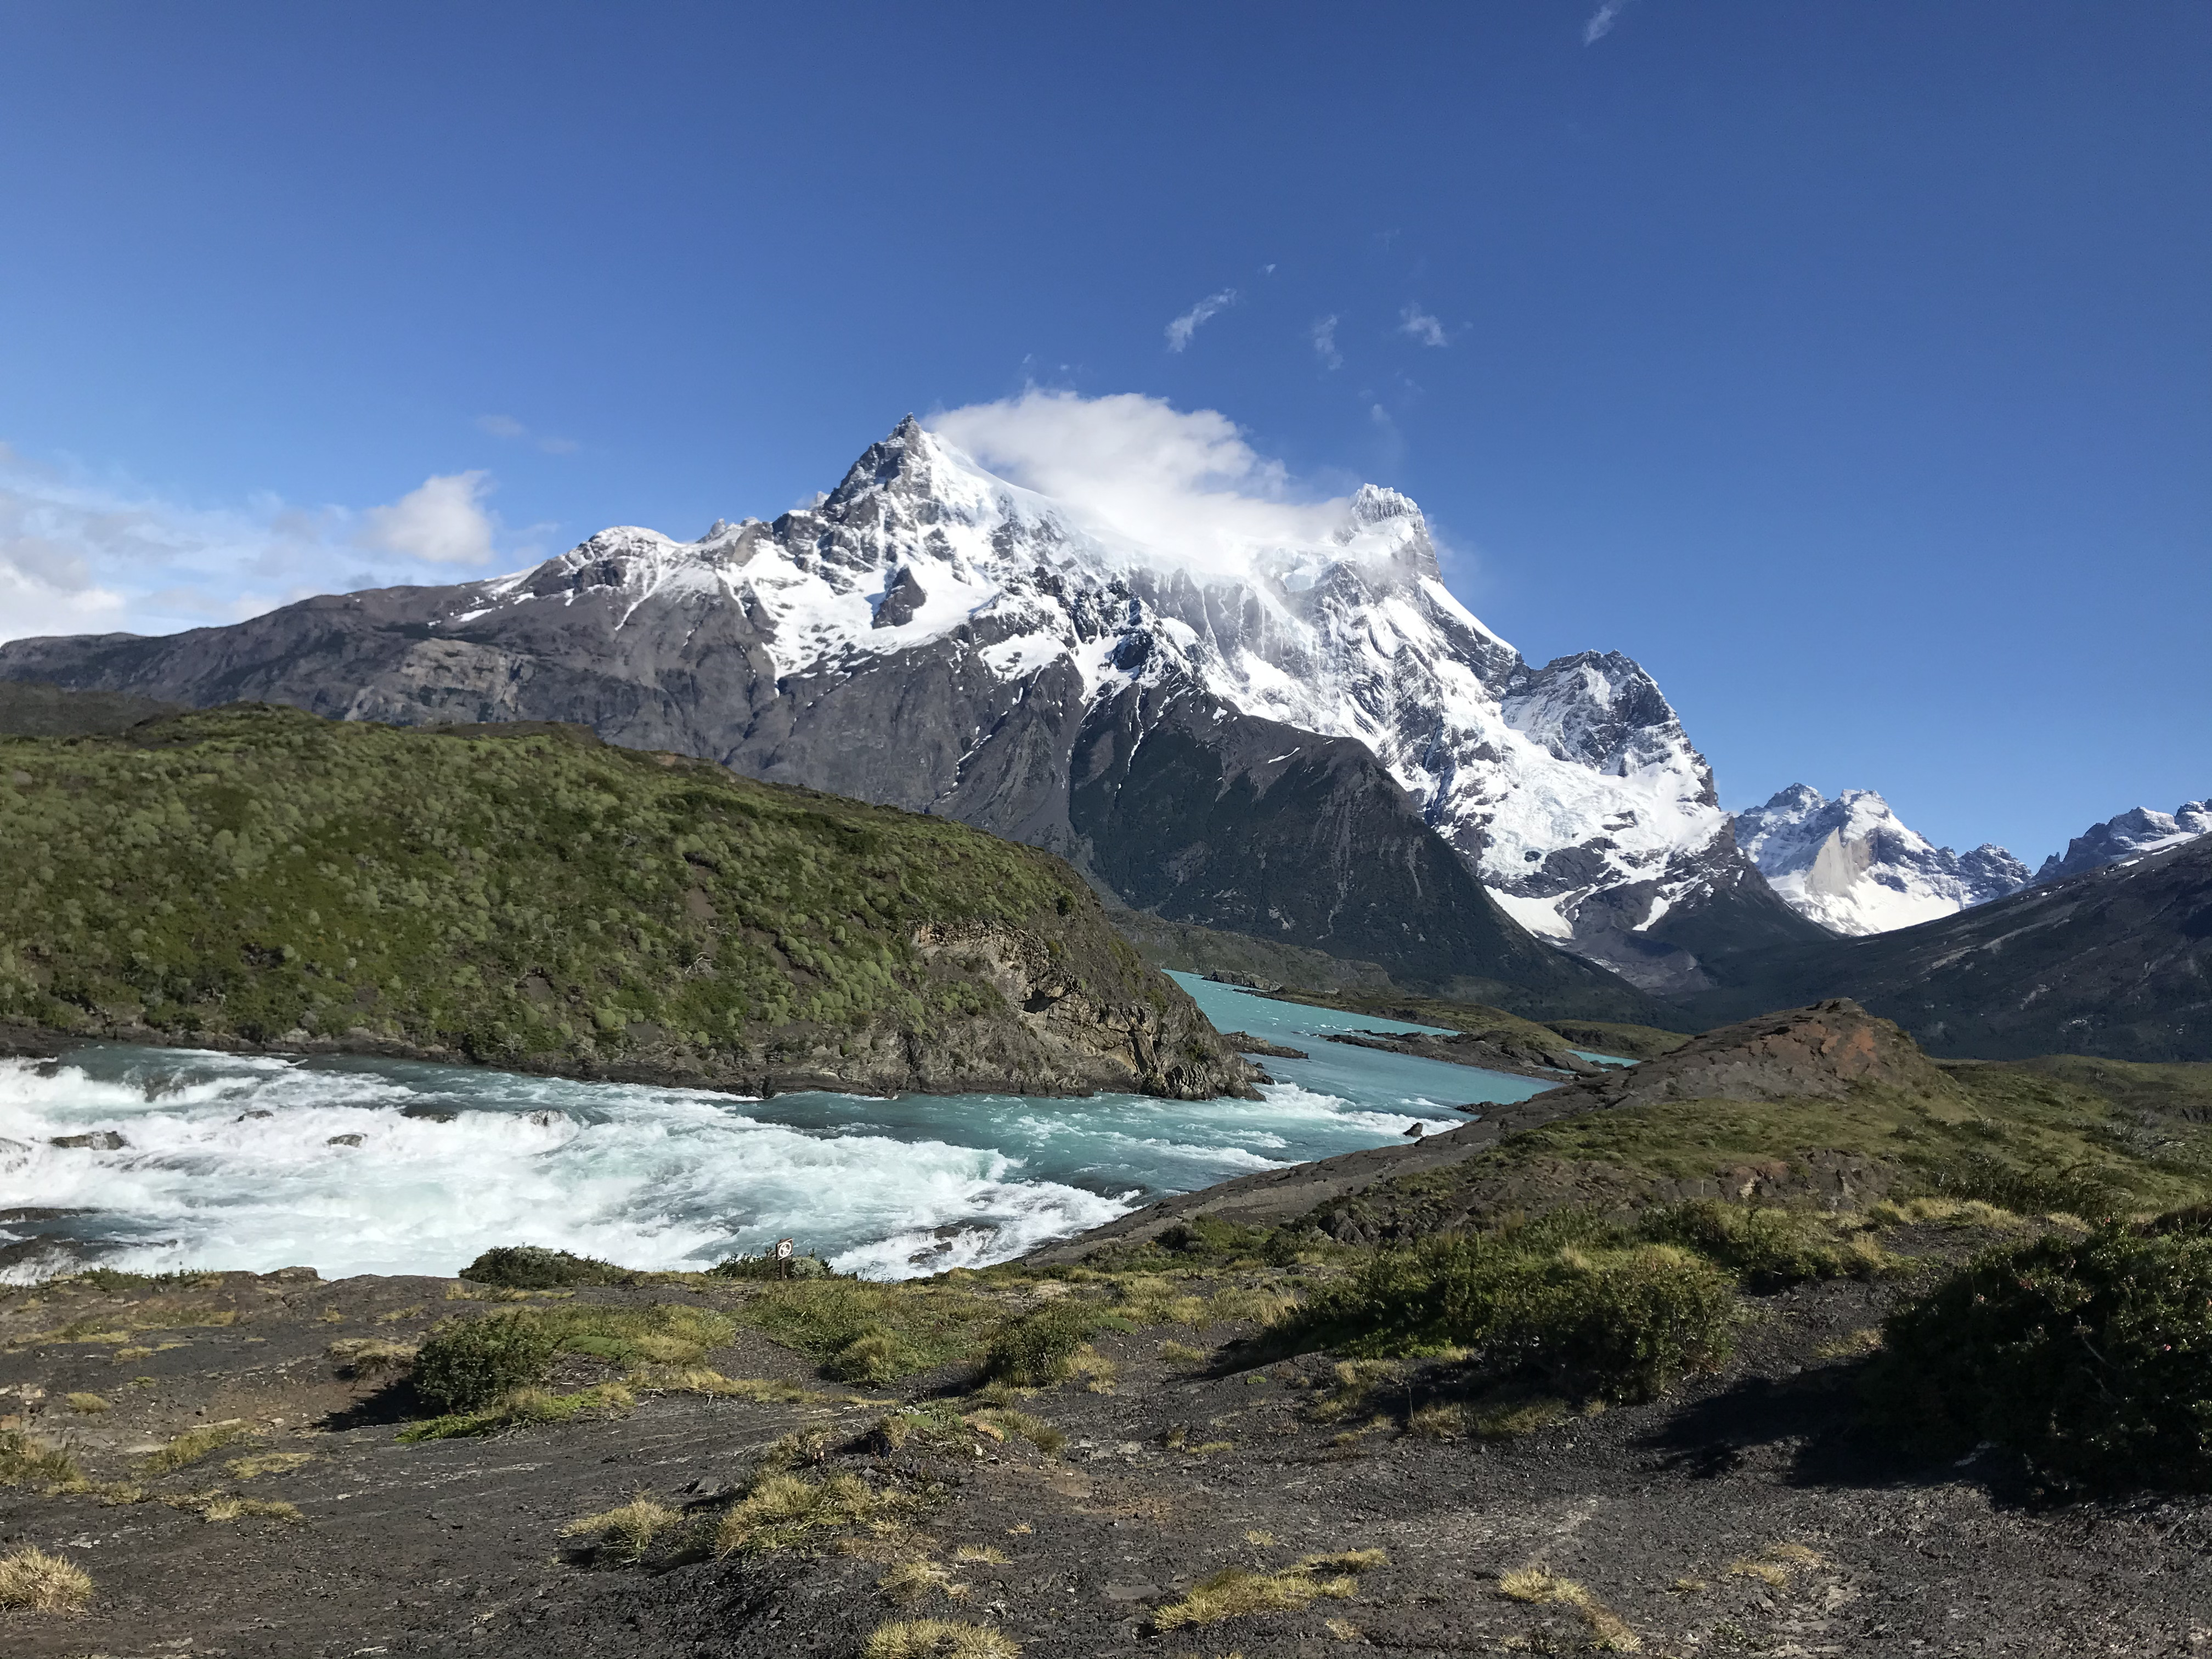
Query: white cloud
pixel 1136 470
pixel 1420 325
pixel 1323 336
pixel 1181 330
pixel 80 554
pixel 1601 21
pixel 443 522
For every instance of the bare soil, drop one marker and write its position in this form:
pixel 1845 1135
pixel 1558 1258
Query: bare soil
pixel 1742 1514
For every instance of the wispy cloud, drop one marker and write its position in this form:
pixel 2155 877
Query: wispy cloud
pixel 1418 324
pixel 1323 336
pixel 506 426
pixel 1603 20
pixel 1185 486
pixel 1181 330
pixel 81 553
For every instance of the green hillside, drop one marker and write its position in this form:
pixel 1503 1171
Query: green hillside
pixel 528 897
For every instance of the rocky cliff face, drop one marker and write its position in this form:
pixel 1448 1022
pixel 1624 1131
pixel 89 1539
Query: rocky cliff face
pixel 933 637
pixel 1851 866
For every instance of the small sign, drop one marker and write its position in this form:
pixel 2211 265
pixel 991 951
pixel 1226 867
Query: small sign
pixel 783 1249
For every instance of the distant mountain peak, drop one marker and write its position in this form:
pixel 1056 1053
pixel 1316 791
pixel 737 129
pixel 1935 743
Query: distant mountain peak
pixel 1853 866
pixel 2132 835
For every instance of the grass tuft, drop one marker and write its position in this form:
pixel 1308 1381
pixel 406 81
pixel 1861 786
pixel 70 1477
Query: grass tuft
pixel 939 1638
pixel 246 1469
pixel 86 1403
pixel 910 1582
pixel 31 1581
pixel 626 1532
pixel 524 1409
pixel 786 1511
pixel 193 1445
pixel 1233 1593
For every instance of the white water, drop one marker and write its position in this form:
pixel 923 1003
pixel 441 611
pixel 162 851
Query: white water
pixel 229 1160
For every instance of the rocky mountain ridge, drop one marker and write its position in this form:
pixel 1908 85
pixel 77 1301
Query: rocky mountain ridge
pixel 2131 835
pixel 934 637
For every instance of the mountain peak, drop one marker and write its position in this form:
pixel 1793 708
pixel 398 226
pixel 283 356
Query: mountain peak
pixel 1851 866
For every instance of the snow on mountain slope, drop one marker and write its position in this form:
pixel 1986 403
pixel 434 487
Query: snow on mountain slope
pixel 1850 866
pixel 1562 783
pixel 2131 835
pixel 933 636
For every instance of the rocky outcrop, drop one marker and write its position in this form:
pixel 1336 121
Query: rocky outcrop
pixel 1819 1052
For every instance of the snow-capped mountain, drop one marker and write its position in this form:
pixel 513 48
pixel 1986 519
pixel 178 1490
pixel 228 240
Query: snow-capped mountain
pixel 1850 866
pixel 2131 835
pixel 930 636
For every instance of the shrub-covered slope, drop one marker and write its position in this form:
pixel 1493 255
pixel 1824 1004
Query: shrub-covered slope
pixel 1826 1106
pixel 529 897
pixel 2117 962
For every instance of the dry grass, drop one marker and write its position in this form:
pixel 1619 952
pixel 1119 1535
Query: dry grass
pixel 1342 1629
pixel 1506 1420
pixel 32 1581
pixel 371 1356
pixel 1540 1586
pixel 1774 1565
pixel 1941 1212
pixel 910 1581
pixel 1855 1345
pixel 626 1532
pixel 226 1507
pixel 86 1403
pixel 1345 1561
pixel 939 1638
pixel 246 1468
pixel 693 1379
pixel 981 1555
pixel 193 1444
pixel 525 1407
pixel 1355 1379
pixel 784 1511
pixel 1093 1370
pixel 1183 1358
pixel 1233 1593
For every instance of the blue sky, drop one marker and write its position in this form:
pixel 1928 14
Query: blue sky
pixel 1849 365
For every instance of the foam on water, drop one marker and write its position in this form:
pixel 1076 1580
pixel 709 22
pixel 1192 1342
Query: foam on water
pixel 233 1160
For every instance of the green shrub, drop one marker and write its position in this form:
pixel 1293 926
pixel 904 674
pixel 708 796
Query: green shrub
pixel 876 1355
pixel 2092 1357
pixel 467 1366
pixel 863 1332
pixel 1566 1300
pixel 1039 1348
pixel 1765 1247
pixel 766 1265
pixel 2083 1189
pixel 532 1267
